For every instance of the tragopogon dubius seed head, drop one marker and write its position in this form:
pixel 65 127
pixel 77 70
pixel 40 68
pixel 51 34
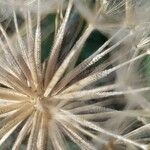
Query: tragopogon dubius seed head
pixel 92 103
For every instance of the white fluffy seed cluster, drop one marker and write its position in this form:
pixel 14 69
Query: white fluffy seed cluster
pixel 97 103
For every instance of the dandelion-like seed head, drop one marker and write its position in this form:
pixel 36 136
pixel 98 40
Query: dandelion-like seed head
pixel 58 99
